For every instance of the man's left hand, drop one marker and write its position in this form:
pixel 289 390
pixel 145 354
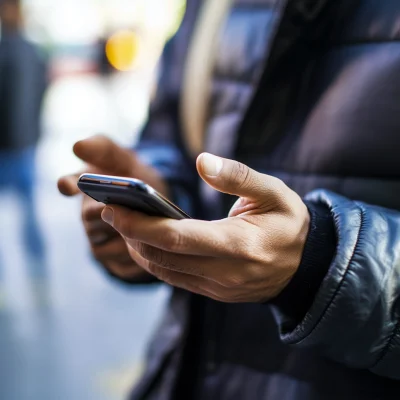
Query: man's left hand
pixel 251 256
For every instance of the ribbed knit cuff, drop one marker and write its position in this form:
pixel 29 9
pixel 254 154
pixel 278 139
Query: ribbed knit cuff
pixel 297 298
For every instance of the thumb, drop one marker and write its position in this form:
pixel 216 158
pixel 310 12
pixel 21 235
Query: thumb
pixel 67 185
pixel 105 155
pixel 235 178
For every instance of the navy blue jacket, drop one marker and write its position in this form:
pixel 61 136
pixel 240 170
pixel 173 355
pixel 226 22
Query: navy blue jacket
pixel 307 91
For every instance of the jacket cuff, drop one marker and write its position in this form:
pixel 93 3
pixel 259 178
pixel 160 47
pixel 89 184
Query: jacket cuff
pixel 297 298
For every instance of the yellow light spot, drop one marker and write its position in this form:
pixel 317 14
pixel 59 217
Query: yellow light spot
pixel 122 50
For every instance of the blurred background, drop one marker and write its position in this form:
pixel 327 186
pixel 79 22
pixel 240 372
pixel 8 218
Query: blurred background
pixel 67 331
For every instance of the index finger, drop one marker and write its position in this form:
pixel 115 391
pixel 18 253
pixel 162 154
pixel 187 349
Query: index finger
pixel 102 153
pixel 186 236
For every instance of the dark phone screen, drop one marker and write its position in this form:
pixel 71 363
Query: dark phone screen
pixel 129 193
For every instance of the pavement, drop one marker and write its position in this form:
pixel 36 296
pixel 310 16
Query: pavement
pixel 75 334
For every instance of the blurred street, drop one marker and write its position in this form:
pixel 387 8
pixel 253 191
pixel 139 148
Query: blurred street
pixel 86 339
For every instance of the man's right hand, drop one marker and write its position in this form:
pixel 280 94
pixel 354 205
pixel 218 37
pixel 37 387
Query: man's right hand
pixel 103 156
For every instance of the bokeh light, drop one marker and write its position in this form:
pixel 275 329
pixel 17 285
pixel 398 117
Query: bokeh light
pixel 122 49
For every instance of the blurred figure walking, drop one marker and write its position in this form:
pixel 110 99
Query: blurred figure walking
pixel 23 81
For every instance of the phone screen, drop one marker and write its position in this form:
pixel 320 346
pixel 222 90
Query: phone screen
pixel 131 193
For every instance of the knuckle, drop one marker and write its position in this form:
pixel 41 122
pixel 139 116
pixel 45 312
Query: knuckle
pixel 174 242
pixel 158 257
pixel 145 251
pixel 151 254
pixel 266 258
pixel 160 273
pixel 246 248
pixel 271 258
pixel 280 190
pixel 233 281
pixel 188 270
pixel 276 182
pixel 154 269
pixel 240 175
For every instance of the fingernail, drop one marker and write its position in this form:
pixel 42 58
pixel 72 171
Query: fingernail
pixel 212 165
pixel 108 215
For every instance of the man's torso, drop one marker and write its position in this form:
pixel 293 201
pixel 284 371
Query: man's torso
pixel 311 97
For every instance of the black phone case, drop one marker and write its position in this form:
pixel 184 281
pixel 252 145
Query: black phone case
pixel 135 197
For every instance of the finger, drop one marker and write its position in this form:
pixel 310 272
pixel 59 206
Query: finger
pixel 177 279
pixel 126 272
pixel 190 265
pixel 189 283
pixel 227 275
pixel 183 237
pixel 100 237
pixel 96 225
pixel 97 230
pixel 193 284
pixel 67 185
pixel 235 178
pixel 204 287
pixel 103 154
pixel 91 210
pixel 114 250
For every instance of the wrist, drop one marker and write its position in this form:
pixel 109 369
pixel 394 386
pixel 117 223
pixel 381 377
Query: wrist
pixel 298 296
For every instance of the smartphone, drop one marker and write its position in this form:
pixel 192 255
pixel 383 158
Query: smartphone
pixel 131 193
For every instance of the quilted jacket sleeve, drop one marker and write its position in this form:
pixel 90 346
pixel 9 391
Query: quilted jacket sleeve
pixel 355 316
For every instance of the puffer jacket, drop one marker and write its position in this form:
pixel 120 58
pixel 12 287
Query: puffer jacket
pixel 307 91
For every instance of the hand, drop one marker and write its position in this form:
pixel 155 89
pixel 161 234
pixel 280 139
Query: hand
pixel 105 157
pixel 249 257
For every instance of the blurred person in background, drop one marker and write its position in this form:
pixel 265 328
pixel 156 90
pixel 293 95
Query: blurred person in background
pixel 104 66
pixel 294 295
pixel 23 80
